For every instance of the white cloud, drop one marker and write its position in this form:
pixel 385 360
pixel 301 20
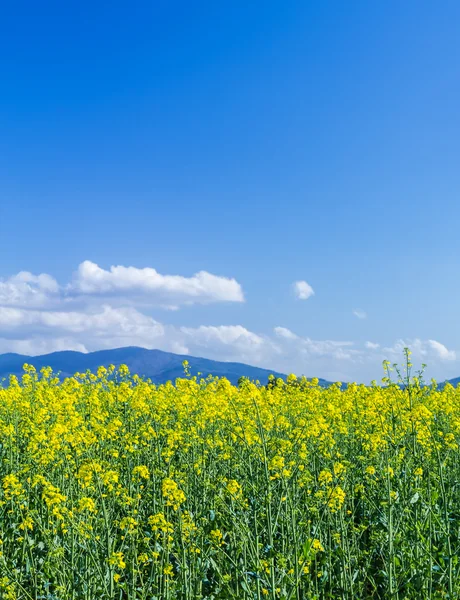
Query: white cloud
pixel 336 349
pixel 148 284
pixel 119 285
pixel 428 350
pixel 25 289
pixel 317 358
pixel 107 309
pixel 107 318
pixel 39 345
pixel 360 313
pixel 287 334
pixel 372 345
pixel 442 351
pixel 38 331
pixel 230 342
pixel 224 334
pixel 303 290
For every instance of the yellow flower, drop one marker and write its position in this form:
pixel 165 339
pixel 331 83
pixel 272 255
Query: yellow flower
pixel 128 524
pixel 276 463
pixel 123 370
pixel 87 504
pixel 216 537
pixel 117 560
pixel 234 488
pixel 141 472
pixel 27 524
pixel 339 469
pixel 12 487
pixel 156 471
pixel 317 546
pixel 336 499
pixel 325 477
pixel 158 522
pixel 172 494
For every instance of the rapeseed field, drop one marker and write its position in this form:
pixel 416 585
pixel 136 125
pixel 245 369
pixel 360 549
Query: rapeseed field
pixel 112 487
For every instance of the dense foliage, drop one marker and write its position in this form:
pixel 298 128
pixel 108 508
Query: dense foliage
pixel 112 487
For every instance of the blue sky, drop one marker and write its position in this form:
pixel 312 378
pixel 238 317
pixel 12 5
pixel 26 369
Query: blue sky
pixel 264 145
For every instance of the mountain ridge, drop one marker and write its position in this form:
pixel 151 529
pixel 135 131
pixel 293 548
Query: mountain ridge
pixel 157 365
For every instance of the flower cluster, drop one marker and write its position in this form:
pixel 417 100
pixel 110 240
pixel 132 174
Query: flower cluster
pixel 113 487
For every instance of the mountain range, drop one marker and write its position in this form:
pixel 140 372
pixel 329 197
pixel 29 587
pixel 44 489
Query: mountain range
pixel 156 365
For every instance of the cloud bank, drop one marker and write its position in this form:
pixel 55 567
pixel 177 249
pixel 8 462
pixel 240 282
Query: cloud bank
pixel 108 308
pixel 121 284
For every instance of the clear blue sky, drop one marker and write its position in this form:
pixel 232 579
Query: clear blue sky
pixel 269 142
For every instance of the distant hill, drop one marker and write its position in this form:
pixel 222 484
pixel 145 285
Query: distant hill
pixel 157 365
pixel 454 382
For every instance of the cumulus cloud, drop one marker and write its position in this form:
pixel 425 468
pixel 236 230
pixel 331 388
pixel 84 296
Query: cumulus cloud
pixel 110 308
pixel 329 358
pixel 224 334
pixel 360 314
pixel 335 360
pixel 303 290
pixel 422 350
pixel 172 290
pixel 118 285
pixel 34 346
pixel 285 333
pixel 235 342
pixel 442 351
pixel 107 318
pixel 38 331
pixel 336 349
pixel 26 289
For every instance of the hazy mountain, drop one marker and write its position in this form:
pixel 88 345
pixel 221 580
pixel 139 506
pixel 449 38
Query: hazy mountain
pixel 155 364
pixel 453 382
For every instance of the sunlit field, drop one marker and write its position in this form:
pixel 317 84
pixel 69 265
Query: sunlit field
pixel 112 487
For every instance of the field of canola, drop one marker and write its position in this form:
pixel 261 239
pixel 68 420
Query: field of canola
pixel 114 488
